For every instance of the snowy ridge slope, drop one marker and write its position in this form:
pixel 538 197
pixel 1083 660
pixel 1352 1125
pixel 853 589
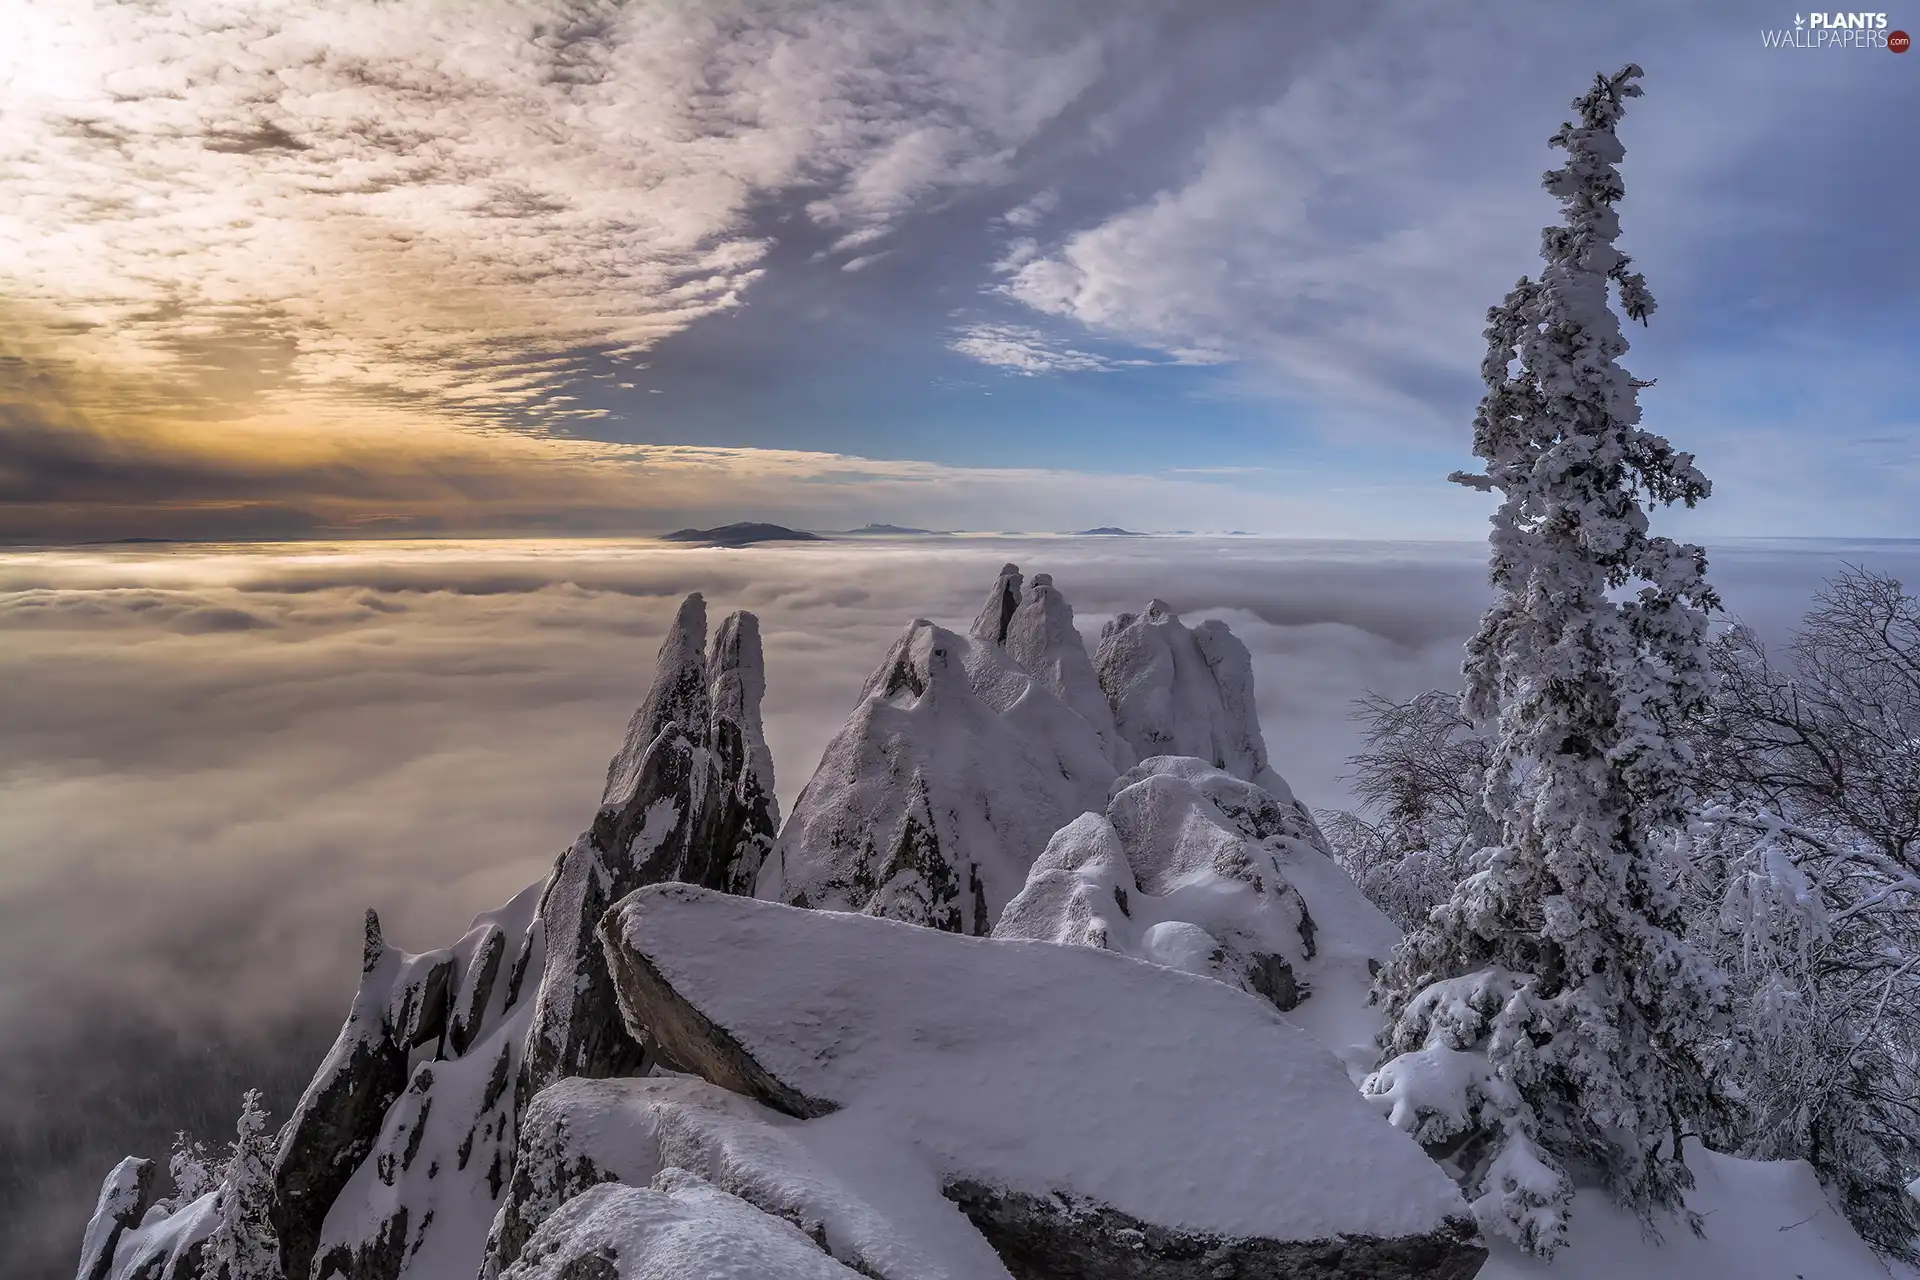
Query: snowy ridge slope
pixel 675 1229
pixel 1763 1220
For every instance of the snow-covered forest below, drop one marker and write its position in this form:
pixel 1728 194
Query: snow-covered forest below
pixel 1047 972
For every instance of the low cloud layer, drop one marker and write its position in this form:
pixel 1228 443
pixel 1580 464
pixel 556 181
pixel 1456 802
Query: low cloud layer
pixel 215 758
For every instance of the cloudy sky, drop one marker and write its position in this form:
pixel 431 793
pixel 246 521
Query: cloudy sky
pixel 341 267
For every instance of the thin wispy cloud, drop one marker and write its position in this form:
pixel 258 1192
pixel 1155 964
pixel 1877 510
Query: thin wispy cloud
pixel 1026 350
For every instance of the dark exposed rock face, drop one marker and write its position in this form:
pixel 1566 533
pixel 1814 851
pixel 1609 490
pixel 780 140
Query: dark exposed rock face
pixel 339 1116
pixel 124 1198
pixel 1054 1238
pixel 445 1144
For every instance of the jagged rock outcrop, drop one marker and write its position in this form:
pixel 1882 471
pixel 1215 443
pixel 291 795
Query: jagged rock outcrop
pixel 689 796
pixel 1090 1116
pixel 400 1005
pixel 419 1198
pixel 1192 868
pixel 1180 691
pixel 125 1197
pixel 400 1150
pixel 941 789
pixel 737 674
pixel 679 1228
pixel 1035 627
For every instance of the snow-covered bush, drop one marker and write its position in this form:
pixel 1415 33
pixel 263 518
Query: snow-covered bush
pixel 1590 1009
pixel 1421 774
pixel 1804 876
pixel 189 1167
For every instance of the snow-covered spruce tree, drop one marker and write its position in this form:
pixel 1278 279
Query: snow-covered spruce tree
pixel 1548 1022
pixel 244 1246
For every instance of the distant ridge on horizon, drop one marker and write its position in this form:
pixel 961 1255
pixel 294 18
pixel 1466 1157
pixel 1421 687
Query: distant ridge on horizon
pixel 740 534
pixel 891 530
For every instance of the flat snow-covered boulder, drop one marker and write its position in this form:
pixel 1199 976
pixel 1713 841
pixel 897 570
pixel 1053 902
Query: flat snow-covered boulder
pixel 680 1229
pixel 1093 1116
pixel 578 1134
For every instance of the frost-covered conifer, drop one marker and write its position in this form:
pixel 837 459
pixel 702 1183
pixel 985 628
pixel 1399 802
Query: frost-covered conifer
pixel 1549 1021
pixel 244 1246
pixel 187 1166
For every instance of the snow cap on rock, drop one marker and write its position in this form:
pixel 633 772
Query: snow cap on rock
pixel 933 800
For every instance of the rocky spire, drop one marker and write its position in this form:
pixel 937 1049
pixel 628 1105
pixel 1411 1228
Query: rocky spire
pixel 1177 691
pixel 738 675
pixel 124 1198
pixel 678 695
pixel 1041 637
pixel 689 797
pixel 997 612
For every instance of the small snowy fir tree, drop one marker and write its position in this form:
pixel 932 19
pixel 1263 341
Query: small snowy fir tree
pixel 187 1166
pixel 1549 1022
pixel 244 1246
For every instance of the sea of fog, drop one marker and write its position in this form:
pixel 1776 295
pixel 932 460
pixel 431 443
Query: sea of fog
pixel 212 758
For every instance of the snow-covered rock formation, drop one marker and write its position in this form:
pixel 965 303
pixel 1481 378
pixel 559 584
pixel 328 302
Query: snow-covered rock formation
pixel 1036 629
pixel 397 1156
pixel 125 1197
pixel 1088 1116
pixel 1195 869
pixel 940 791
pixel 1180 691
pixel 689 797
pixel 678 1228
